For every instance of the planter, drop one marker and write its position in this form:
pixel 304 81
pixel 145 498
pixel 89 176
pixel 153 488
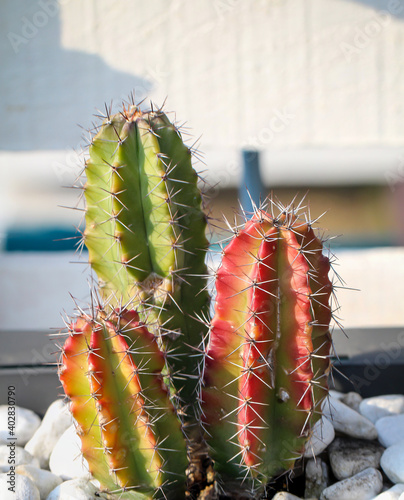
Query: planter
pixel 24 365
pixel 371 361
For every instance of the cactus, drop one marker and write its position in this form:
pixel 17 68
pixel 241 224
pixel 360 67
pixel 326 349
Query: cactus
pixel 268 355
pixel 148 398
pixel 145 233
pixel 111 371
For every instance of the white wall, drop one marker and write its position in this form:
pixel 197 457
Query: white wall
pixel 318 85
pixel 315 73
pixel 372 297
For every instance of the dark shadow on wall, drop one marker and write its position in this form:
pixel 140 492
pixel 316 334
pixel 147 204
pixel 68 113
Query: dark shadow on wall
pixel 46 90
pixel 395 8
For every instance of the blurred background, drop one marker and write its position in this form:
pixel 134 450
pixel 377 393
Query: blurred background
pixel 281 96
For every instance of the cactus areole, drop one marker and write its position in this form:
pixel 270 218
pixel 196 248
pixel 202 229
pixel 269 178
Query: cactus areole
pixel 268 355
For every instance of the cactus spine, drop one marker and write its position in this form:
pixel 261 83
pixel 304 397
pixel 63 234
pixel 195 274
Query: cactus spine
pixel 268 355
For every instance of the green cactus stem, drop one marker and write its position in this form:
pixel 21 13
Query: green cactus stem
pixel 131 437
pixel 145 233
pixel 268 356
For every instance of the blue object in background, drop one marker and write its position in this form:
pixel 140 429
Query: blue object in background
pixel 53 239
pixel 252 189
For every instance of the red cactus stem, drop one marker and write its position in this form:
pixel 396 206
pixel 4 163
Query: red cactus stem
pixel 270 326
pixel 111 370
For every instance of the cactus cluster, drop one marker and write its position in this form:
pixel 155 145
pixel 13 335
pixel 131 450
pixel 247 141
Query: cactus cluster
pixel 163 396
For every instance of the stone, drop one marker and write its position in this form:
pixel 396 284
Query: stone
pixel 316 478
pixel 284 495
pixel 77 489
pixel 44 480
pixel 56 420
pixel 352 399
pixel 349 456
pixel 26 423
pixel 336 394
pixel 348 421
pixel 394 493
pixel 322 435
pixel 363 486
pixel 21 456
pixel 382 406
pixel 390 429
pixel 66 459
pixel 392 462
pixel 24 488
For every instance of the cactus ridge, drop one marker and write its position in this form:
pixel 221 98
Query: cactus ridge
pixel 145 233
pixel 268 356
pixel 131 438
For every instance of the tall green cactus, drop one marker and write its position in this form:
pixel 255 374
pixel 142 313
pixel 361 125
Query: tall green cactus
pixel 268 357
pixel 145 233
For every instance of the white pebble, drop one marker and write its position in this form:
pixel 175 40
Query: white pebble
pixel 77 489
pixel 316 477
pixel 390 429
pixel 349 456
pixel 44 480
pixel 382 406
pixel 56 420
pixel 336 394
pixel 392 462
pixel 66 459
pixel 16 455
pixel 393 493
pixel 284 495
pixel 352 399
pixel 348 421
pixel 322 435
pixel 363 486
pixel 23 488
pixel 26 423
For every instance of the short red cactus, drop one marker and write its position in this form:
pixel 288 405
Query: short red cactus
pixel 268 355
pixel 111 371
